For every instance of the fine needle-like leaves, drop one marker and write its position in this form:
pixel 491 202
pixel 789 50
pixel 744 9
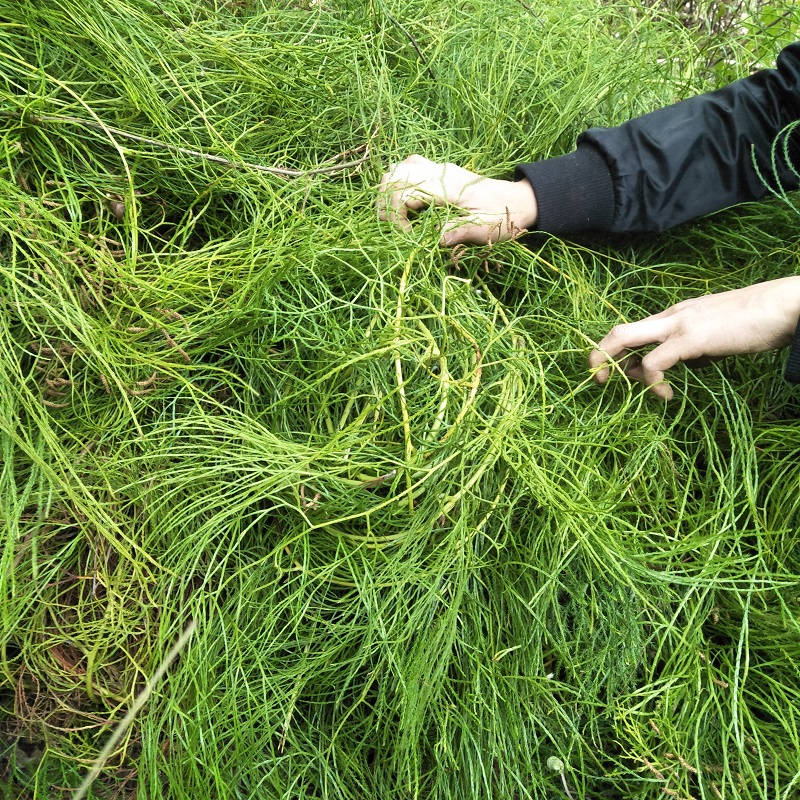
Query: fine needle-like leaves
pixel 426 556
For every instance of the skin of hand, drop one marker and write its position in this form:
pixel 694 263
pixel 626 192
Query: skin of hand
pixel 492 210
pixel 754 319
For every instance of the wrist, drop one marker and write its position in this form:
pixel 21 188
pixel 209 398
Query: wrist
pixel 524 208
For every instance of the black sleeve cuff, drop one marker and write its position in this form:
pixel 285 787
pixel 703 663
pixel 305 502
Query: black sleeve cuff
pixel 792 371
pixel 574 193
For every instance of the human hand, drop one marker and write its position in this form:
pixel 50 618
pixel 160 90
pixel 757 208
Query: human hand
pixel 750 320
pixel 492 210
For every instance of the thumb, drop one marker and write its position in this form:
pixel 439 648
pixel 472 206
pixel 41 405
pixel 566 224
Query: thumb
pixel 469 230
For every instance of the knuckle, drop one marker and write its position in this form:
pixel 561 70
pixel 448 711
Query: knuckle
pixel 649 362
pixel 596 359
pixel 617 333
pixel 654 365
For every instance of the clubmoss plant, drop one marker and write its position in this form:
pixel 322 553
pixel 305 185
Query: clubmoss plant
pixel 423 552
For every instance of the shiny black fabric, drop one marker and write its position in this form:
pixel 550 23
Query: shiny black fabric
pixel 677 163
pixel 696 157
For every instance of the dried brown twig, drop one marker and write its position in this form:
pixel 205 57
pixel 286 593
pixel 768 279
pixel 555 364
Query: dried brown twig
pixel 330 169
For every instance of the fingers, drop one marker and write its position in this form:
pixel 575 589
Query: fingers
pixel 621 339
pixel 656 363
pixel 400 195
pixel 472 230
pixel 650 368
pixel 417 182
pixel 407 187
pixel 400 202
pixel 462 233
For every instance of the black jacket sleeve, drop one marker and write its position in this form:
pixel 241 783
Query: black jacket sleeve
pixel 678 163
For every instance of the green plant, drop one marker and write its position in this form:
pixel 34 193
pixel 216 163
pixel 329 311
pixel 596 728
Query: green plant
pixel 424 553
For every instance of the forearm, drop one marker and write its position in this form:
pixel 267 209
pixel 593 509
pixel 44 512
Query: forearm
pixel 676 163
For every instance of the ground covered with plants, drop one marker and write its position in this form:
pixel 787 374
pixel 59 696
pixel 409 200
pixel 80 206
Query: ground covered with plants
pixel 416 552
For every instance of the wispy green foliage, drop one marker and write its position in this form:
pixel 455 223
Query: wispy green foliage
pixel 425 554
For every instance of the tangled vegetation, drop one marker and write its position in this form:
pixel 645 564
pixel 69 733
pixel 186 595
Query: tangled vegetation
pixel 421 553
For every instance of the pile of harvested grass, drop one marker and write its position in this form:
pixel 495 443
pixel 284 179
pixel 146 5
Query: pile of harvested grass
pixel 425 556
